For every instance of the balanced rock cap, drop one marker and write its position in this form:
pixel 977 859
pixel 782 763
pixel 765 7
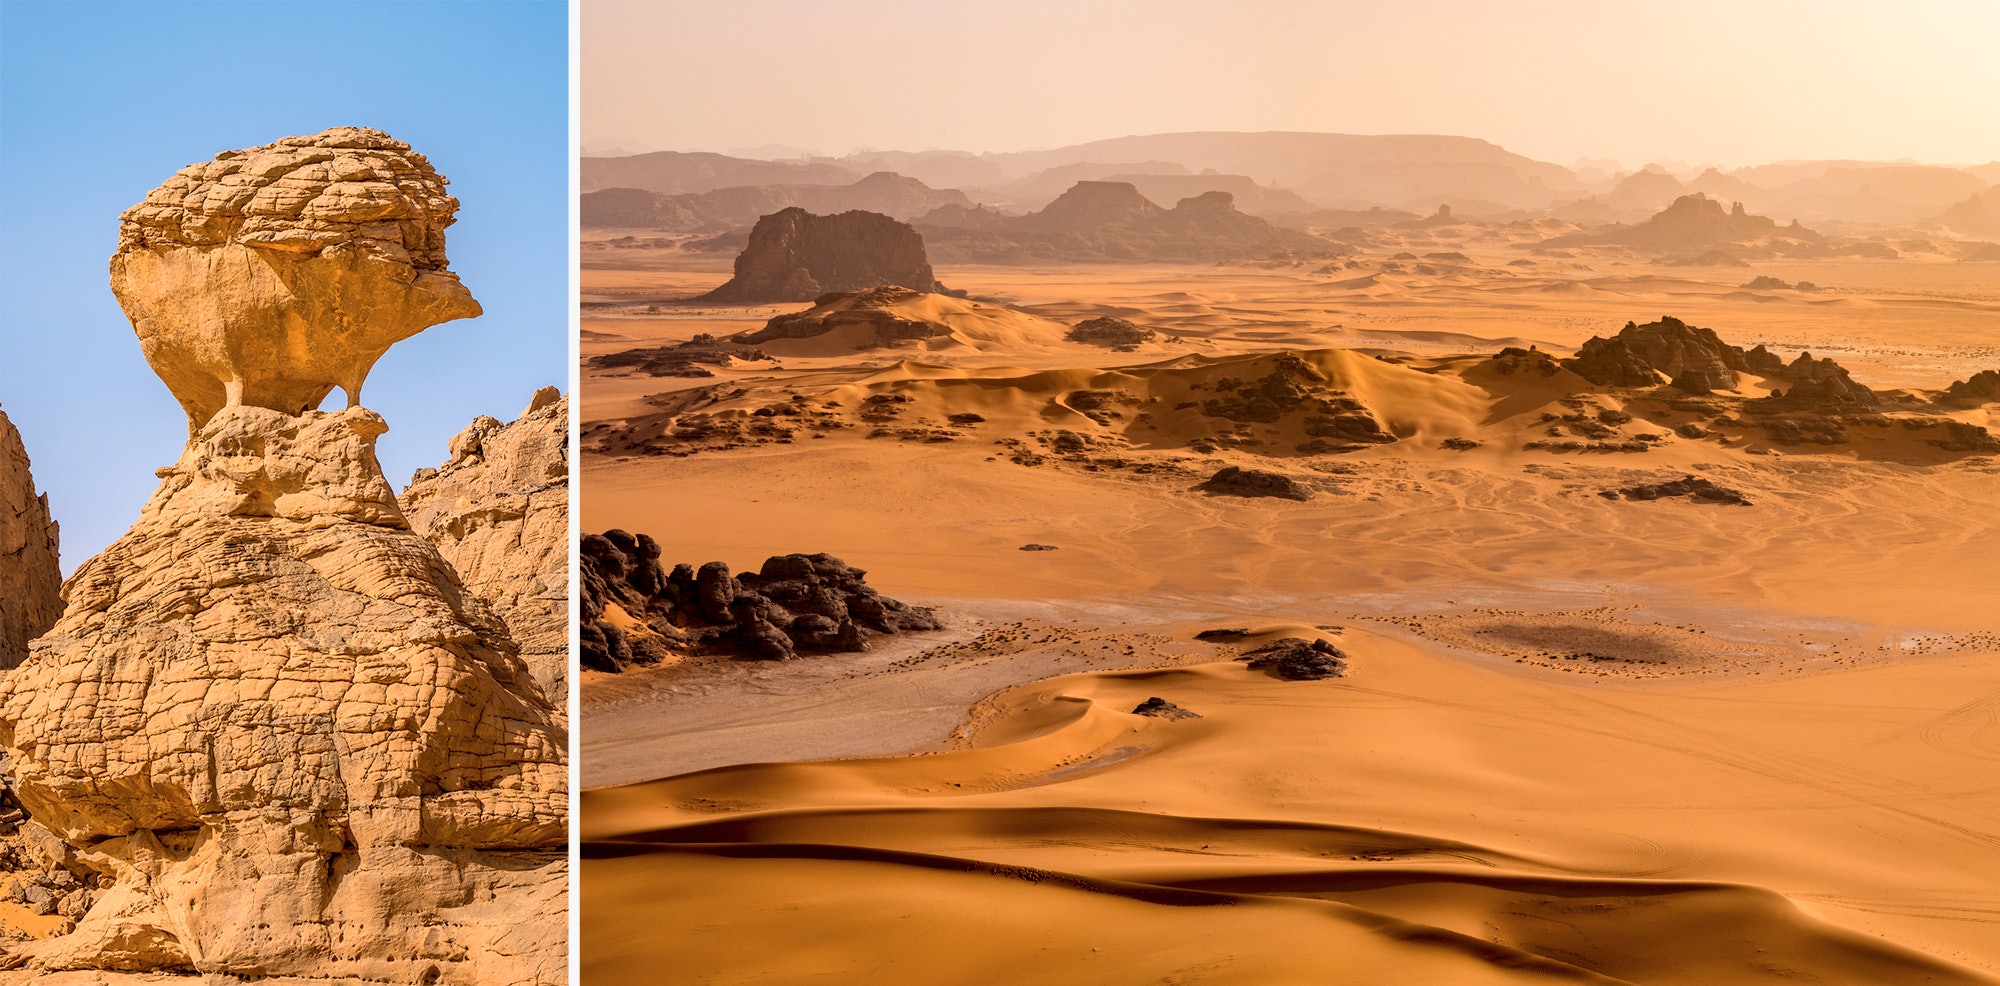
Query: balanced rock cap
pixel 269 276
pixel 347 185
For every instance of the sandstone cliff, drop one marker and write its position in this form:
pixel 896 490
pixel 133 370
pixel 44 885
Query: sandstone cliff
pixel 794 255
pixel 30 578
pixel 498 511
pixel 275 725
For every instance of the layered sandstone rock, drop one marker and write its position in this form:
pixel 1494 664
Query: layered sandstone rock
pixel 498 511
pixel 794 255
pixel 30 578
pixel 271 275
pixel 273 721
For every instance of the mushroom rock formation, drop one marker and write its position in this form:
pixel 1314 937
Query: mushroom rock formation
pixel 272 719
pixel 30 578
pixel 270 276
pixel 498 511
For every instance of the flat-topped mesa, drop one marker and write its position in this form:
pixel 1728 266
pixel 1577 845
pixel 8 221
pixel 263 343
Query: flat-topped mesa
pixel 271 275
pixel 794 255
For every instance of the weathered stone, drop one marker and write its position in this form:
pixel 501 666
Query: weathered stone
pixel 498 511
pixel 794 255
pixel 272 275
pixel 30 577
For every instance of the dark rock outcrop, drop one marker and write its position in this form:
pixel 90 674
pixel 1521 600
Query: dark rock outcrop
pixel 1980 388
pixel 1692 359
pixel 634 610
pixel 1298 659
pixel 688 359
pixel 1116 333
pixel 869 310
pixel 1160 708
pixel 1820 385
pixel 794 255
pixel 1237 481
pixel 1693 487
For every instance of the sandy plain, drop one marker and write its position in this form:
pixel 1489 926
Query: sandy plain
pixel 1580 739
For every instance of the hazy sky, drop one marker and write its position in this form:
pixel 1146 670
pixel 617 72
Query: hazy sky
pixel 1728 82
pixel 100 102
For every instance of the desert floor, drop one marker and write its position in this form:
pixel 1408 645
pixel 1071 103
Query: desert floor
pixel 1579 739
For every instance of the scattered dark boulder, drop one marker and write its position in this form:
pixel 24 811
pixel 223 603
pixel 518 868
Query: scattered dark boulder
pixel 1116 333
pixel 1237 481
pixel 1160 708
pixel 1693 487
pixel 1038 547
pixel 1298 659
pixel 635 611
pixel 1223 633
pixel 1457 444
pixel 794 255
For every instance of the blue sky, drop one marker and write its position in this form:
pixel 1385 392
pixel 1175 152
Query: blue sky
pixel 101 101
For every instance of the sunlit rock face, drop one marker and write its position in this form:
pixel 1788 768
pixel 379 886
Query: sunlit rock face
pixel 271 275
pixel 272 717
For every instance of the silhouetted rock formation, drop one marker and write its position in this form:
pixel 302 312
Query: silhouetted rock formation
pixel 1237 481
pixel 1116 333
pixel 1693 487
pixel 1820 385
pixel 1697 222
pixel 794 255
pixel 1298 659
pixel 633 610
pixel 886 193
pixel 1111 221
pixel 30 577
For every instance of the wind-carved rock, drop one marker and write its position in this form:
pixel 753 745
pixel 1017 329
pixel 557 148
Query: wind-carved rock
pixel 270 276
pixel 30 577
pixel 272 717
pixel 498 510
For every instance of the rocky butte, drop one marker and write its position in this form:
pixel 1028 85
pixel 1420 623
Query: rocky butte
pixel 272 721
pixel 794 255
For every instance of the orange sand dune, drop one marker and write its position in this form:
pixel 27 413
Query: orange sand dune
pixel 1580 739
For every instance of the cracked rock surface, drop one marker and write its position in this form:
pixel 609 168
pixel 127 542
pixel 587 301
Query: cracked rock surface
pixel 498 511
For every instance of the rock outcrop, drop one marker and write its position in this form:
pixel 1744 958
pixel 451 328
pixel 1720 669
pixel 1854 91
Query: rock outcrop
pixel 634 610
pixel 1820 385
pixel 1298 659
pixel 271 275
pixel 1115 333
pixel 498 511
pixel 1693 487
pixel 1238 481
pixel 794 255
pixel 1669 350
pixel 30 576
pixel 1980 388
pixel 272 721
pixel 870 313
